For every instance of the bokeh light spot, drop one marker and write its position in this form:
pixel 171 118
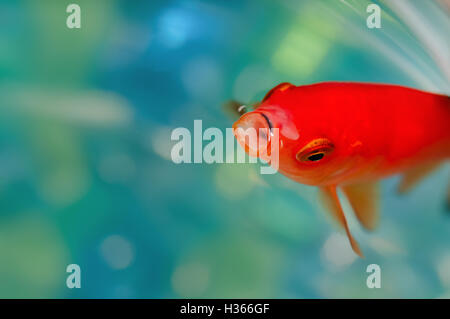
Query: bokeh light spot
pixel 190 280
pixel 233 181
pixel 337 252
pixel 117 252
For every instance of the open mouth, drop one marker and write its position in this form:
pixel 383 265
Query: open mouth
pixel 253 131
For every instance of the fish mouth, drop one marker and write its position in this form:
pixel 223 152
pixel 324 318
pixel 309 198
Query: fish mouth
pixel 253 131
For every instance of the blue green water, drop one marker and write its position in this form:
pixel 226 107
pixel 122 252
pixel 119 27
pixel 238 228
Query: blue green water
pixel 85 170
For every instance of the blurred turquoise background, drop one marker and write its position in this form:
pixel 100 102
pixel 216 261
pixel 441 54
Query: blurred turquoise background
pixel 85 169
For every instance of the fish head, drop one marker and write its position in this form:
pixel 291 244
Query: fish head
pixel 309 151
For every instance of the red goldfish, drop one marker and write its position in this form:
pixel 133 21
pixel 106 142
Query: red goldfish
pixel 350 135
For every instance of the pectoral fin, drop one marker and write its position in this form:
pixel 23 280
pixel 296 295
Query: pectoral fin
pixel 330 198
pixel 235 109
pixel 414 176
pixel 364 200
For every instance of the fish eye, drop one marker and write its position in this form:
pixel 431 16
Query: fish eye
pixel 315 151
pixel 313 155
pixel 316 157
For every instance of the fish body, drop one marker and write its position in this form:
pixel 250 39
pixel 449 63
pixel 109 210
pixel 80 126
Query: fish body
pixel 349 135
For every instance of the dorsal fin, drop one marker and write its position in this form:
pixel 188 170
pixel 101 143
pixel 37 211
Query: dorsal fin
pixel 282 86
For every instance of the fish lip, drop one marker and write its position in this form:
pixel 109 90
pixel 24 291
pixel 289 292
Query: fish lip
pixel 255 120
pixel 268 122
